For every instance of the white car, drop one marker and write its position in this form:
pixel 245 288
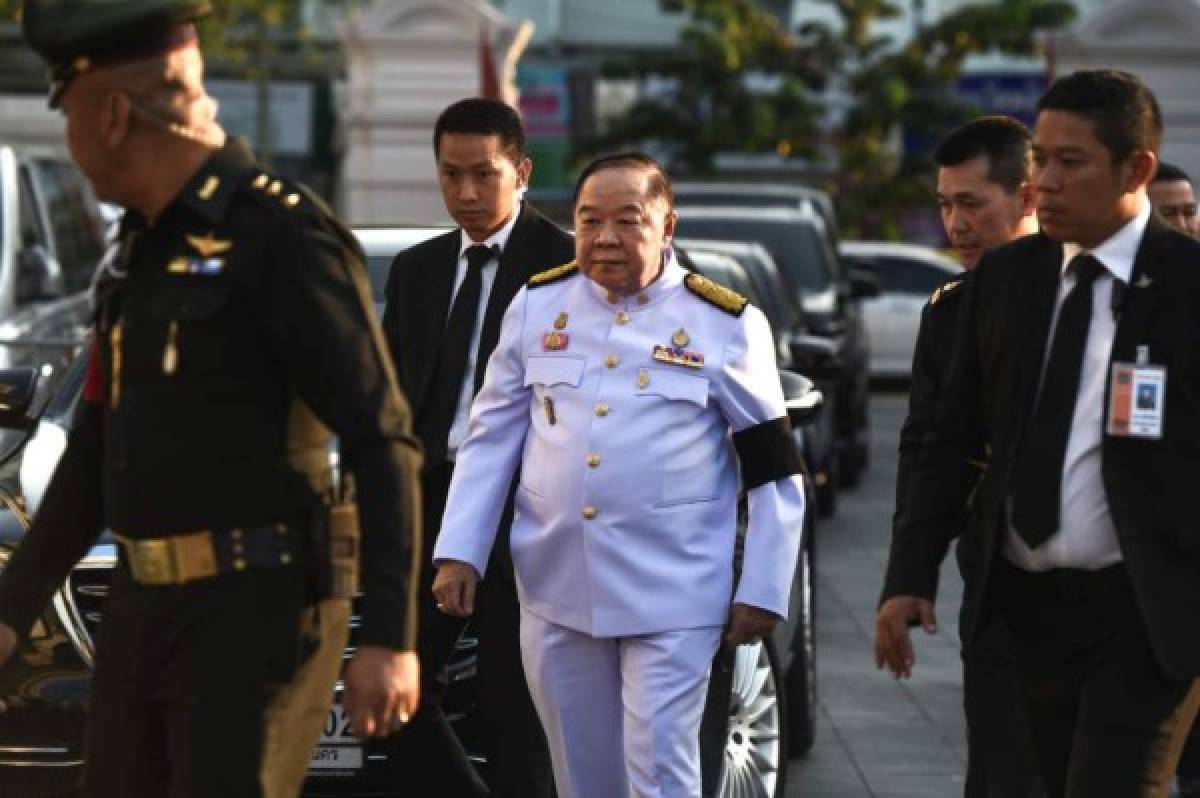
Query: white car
pixel 908 275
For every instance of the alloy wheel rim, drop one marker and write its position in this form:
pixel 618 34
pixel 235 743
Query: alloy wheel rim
pixel 752 748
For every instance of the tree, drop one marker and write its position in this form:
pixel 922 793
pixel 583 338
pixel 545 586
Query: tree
pixel 907 91
pixel 738 82
pixel 886 92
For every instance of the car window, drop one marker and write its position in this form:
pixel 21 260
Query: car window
pixel 796 246
pixel 901 275
pixel 75 224
pixel 31 232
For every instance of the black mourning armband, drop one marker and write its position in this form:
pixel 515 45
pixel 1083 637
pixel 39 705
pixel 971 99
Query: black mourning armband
pixel 767 452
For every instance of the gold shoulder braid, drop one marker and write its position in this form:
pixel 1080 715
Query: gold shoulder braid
pixel 727 300
pixel 553 275
pixel 942 290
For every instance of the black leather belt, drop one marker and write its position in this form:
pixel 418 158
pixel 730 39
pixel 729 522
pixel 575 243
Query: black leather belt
pixel 206 553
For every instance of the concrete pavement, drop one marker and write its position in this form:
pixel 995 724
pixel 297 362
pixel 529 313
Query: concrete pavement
pixel 878 737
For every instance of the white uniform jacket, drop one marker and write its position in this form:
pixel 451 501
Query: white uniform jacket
pixel 626 510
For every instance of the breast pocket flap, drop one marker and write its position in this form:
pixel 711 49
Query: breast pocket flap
pixel 676 386
pixel 560 370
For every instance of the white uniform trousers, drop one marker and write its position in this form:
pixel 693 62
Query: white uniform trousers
pixel 621 714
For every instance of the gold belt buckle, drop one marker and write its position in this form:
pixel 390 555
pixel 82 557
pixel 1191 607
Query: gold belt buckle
pixel 171 561
pixel 150 561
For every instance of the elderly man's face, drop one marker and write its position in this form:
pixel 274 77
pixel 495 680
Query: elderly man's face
pixel 1175 201
pixel 97 125
pixel 620 232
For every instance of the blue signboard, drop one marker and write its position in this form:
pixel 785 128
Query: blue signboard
pixel 1012 93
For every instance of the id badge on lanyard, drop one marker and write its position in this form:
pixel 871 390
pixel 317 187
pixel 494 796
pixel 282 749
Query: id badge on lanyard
pixel 1137 398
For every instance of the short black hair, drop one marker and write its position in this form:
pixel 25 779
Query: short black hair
pixel 1004 141
pixel 658 186
pixel 1124 113
pixel 1169 173
pixel 483 117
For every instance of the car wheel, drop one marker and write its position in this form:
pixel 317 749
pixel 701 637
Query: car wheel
pixel 756 744
pixel 802 673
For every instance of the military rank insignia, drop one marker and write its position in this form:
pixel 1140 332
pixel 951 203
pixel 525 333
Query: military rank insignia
pixel 555 341
pixel 678 356
pixel 202 266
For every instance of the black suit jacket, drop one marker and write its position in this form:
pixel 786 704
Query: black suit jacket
pixel 418 295
pixel 1151 486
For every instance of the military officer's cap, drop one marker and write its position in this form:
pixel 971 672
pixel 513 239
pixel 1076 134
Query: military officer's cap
pixel 77 36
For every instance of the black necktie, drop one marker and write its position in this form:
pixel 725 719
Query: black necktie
pixel 442 402
pixel 1037 488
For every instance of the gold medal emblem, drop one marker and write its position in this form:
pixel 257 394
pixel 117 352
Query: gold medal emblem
pixel 680 338
pixel 560 323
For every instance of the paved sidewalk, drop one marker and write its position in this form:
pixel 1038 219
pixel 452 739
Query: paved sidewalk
pixel 878 737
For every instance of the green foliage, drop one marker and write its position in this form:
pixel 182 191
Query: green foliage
pixel 709 106
pixel 907 90
pixel 888 91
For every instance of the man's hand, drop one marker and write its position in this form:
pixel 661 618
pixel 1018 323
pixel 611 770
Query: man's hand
pixel 8 644
pixel 893 646
pixel 747 624
pixel 382 688
pixel 454 588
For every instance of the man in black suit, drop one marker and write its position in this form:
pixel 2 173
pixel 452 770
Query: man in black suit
pixel 1082 536
pixel 986 198
pixel 445 300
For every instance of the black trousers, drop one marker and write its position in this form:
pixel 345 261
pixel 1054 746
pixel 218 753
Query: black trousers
pixel 188 682
pixel 510 735
pixel 1000 759
pixel 1106 720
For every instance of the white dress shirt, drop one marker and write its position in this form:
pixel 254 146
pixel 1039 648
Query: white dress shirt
pixel 498 239
pixel 1086 537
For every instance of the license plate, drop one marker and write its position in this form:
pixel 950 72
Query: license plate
pixel 336 757
pixel 338 749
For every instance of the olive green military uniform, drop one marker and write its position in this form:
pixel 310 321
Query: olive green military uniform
pixel 232 333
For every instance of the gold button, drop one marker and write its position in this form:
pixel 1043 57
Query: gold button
pixel 622 318
pixel 236 534
pixel 239 564
pixel 593 460
pixel 285 558
pixel 602 410
pixel 643 299
pixel 611 361
pixel 589 512
pixel 275 187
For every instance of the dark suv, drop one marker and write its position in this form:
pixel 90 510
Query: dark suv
pixel 799 242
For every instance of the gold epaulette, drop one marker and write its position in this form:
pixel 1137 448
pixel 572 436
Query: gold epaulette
pixel 270 186
pixel 727 300
pixel 553 275
pixel 942 290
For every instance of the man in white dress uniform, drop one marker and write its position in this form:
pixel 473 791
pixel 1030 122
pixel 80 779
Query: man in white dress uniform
pixel 629 392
